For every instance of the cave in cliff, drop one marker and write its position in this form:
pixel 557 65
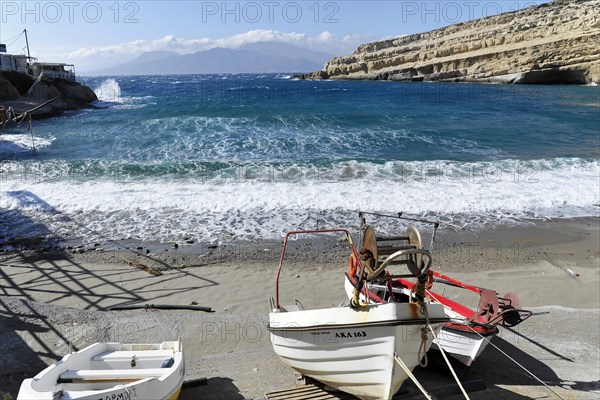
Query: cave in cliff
pixel 555 77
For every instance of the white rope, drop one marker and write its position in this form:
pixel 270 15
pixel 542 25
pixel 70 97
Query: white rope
pixel 437 341
pixel 522 367
pixel 411 376
pixel 34 84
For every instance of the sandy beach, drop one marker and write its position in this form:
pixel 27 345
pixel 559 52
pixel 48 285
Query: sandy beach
pixel 52 300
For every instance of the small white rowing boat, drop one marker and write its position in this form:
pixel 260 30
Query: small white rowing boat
pixel 111 371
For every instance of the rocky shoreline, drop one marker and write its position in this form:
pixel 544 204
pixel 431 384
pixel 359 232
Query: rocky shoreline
pixel 552 43
pixel 455 250
pixel 14 87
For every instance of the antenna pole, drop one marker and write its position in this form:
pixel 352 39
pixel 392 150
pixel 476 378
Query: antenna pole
pixel 27 42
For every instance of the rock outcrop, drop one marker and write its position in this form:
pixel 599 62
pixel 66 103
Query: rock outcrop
pixel 14 87
pixel 7 90
pixel 555 42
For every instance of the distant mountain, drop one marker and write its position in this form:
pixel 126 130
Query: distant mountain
pixel 288 50
pixel 261 57
pixel 155 55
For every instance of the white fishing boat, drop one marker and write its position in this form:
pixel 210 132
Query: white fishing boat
pixel 467 333
pixel 112 371
pixel 367 350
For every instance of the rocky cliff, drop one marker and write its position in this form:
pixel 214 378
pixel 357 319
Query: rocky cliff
pixel 71 95
pixel 555 42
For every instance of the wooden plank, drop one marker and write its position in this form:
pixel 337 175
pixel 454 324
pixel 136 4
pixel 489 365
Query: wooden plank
pixel 307 392
pixel 127 355
pixel 99 380
pixel 140 266
pixel 293 392
pixel 313 392
pixel 113 375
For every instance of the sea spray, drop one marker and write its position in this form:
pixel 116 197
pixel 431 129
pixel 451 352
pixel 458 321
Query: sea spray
pixel 109 91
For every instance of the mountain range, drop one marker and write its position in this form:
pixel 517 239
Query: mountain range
pixel 260 57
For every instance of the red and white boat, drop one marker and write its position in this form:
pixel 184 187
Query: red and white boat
pixel 466 335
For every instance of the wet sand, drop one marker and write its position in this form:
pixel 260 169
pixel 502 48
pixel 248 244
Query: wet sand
pixel 53 299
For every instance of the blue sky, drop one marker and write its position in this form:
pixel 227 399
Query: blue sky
pixel 95 34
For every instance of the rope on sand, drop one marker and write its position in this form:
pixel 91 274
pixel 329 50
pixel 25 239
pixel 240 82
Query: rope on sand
pixel 140 266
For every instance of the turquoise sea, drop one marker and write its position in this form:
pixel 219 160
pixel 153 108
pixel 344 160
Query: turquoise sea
pixel 238 157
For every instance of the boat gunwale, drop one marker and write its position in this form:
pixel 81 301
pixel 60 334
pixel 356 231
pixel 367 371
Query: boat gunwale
pixel 392 322
pixel 469 330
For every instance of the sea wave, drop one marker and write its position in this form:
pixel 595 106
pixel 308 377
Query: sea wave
pixel 250 201
pixel 250 156
pixel 283 137
pixel 14 145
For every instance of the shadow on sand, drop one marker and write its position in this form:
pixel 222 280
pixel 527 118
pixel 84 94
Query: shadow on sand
pixel 212 389
pixel 496 370
pixel 35 267
pixel 71 277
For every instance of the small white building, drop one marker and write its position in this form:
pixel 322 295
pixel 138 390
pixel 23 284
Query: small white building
pixel 30 66
pixel 18 63
pixel 54 70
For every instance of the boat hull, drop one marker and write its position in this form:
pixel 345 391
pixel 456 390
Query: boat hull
pixel 109 371
pixel 353 350
pixel 464 346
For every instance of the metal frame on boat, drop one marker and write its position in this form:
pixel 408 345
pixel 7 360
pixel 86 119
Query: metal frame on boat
pixel 465 336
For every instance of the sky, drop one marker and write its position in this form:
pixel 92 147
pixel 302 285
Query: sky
pixel 98 34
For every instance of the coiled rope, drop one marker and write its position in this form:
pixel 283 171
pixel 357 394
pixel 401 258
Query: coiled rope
pixel 423 360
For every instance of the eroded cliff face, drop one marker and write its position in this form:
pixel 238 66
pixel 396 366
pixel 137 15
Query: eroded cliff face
pixel 555 42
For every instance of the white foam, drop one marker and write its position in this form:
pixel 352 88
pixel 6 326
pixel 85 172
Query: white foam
pixel 255 201
pixel 12 144
pixel 109 91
